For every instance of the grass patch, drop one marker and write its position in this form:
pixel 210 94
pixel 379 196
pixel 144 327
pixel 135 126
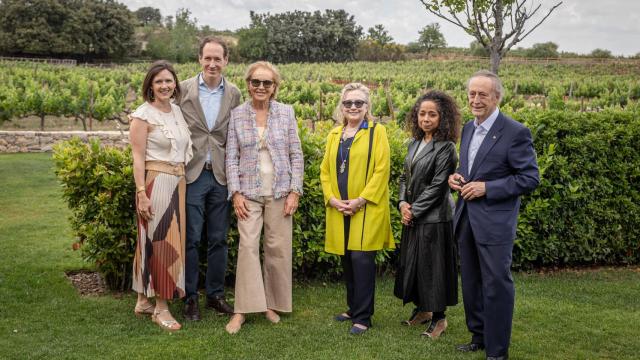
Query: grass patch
pixel 565 315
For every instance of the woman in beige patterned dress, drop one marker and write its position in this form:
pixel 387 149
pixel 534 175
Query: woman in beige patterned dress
pixel 161 146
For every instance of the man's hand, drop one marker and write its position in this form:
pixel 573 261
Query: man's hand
pixel 456 181
pixel 473 190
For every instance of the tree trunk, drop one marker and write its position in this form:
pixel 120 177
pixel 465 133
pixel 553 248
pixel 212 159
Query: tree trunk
pixel 495 61
pixel 41 121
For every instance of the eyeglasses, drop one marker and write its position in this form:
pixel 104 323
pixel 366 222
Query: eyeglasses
pixel 348 103
pixel 265 83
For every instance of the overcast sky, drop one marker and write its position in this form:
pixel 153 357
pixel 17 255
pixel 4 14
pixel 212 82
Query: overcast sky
pixel 577 25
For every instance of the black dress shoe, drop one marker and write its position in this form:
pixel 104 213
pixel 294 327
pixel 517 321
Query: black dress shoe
pixel 503 357
pixel 191 310
pixel 220 305
pixel 470 347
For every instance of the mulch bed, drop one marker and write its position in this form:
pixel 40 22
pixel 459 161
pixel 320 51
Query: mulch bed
pixel 88 283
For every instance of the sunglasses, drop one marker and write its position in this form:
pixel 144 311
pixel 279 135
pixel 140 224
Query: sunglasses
pixel 265 83
pixel 348 103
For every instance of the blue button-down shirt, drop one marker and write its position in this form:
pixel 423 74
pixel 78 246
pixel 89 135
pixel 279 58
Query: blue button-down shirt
pixel 478 135
pixel 211 100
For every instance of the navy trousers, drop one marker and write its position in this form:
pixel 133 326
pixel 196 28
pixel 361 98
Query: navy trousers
pixel 360 277
pixel 207 205
pixel 488 291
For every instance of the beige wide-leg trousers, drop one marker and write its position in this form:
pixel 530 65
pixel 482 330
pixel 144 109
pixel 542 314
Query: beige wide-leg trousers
pixel 256 289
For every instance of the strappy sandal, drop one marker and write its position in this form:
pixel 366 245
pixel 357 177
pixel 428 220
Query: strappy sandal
pixel 142 311
pixel 168 325
pixel 418 317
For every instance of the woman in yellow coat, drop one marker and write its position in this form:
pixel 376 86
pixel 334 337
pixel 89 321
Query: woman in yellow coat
pixel 355 182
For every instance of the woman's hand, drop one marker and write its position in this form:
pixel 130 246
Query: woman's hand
pixel 144 206
pixel 240 206
pixel 405 211
pixel 291 203
pixel 355 205
pixel 340 205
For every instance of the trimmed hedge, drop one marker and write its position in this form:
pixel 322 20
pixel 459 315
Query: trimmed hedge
pixel 585 211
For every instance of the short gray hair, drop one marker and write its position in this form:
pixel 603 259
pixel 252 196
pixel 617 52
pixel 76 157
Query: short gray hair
pixel 497 83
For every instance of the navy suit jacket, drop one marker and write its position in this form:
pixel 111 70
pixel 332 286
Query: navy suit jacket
pixel 506 162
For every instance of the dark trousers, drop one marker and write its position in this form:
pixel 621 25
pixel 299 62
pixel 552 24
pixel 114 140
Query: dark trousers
pixel 360 277
pixel 487 289
pixel 207 205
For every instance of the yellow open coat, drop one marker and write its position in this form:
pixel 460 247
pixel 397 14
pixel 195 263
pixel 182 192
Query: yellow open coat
pixel 375 233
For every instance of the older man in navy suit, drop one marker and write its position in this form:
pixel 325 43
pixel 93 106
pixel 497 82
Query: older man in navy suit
pixel 497 165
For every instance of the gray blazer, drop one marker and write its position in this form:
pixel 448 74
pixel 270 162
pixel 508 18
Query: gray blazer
pixel 202 138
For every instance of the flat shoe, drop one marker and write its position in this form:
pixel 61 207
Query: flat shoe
pixel 342 317
pixel 168 325
pixel 356 330
pixel 141 311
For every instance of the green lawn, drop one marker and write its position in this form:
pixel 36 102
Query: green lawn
pixel 568 315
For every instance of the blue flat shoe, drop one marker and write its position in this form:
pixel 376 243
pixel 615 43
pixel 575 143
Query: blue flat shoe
pixel 355 330
pixel 342 317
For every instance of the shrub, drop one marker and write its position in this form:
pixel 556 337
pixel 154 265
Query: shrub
pixel 97 184
pixel 585 211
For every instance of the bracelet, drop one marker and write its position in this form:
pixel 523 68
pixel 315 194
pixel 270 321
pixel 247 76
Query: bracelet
pixel 140 188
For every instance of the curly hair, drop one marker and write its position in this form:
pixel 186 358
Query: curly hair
pixel 450 118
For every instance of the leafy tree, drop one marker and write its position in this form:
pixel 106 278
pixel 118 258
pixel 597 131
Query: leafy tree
pixel 496 24
pixel 149 16
pixel 476 49
pixel 379 35
pixel 252 42
pixel 76 28
pixel 37 27
pixel 431 38
pixel 601 54
pixel 543 50
pixel 106 29
pixel 178 43
pixel 301 36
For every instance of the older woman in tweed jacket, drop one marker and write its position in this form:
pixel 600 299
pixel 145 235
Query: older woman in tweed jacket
pixel 264 174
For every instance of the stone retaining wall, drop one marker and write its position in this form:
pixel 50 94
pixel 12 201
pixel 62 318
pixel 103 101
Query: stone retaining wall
pixel 42 141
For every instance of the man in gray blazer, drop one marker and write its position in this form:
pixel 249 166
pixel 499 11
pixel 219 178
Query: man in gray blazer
pixel 206 104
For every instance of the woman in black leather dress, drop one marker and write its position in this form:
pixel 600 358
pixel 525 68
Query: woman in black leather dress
pixel 428 274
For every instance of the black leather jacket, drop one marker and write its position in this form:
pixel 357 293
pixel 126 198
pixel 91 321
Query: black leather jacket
pixel 423 183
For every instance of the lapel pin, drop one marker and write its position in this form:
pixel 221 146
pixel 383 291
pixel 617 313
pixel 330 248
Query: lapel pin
pixel 494 137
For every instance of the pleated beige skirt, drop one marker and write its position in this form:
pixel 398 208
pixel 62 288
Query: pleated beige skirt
pixel 158 265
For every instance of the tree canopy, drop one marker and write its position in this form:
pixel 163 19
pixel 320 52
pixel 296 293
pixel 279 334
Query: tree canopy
pixel 83 29
pixel 497 25
pixel 379 34
pixel 301 36
pixel 149 16
pixel 431 38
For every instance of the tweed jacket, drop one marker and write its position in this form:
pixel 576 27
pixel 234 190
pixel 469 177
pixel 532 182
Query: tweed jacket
pixel 203 138
pixel 283 143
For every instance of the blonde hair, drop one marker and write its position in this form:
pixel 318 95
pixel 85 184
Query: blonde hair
pixel 265 65
pixel 348 88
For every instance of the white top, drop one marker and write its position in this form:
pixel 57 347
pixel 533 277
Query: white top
pixel 266 164
pixel 170 138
